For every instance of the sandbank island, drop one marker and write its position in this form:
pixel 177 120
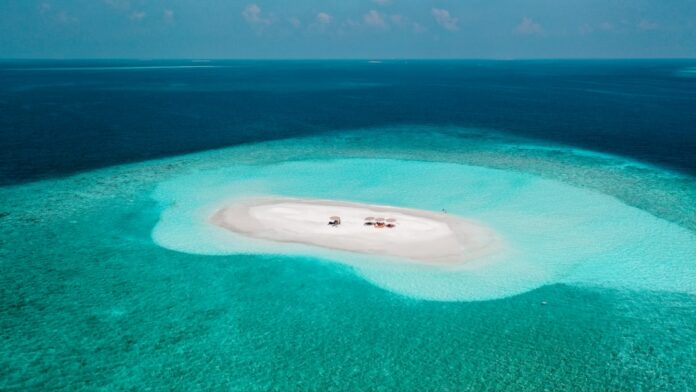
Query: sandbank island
pixel 413 235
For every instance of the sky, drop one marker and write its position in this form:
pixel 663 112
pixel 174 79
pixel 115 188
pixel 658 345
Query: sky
pixel 380 29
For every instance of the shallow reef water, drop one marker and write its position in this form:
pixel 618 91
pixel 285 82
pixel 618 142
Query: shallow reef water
pixel 551 232
pixel 112 280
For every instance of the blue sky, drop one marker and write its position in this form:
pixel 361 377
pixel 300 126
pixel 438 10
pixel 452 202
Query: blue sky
pixel 502 29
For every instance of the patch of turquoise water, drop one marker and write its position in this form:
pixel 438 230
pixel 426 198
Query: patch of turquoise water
pixel 551 232
pixel 88 301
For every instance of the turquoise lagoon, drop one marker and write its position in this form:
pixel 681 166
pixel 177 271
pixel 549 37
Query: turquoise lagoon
pixel 113 280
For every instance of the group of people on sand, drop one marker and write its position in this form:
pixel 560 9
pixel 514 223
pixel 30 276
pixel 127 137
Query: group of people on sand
pixel 380 223
pixel 377 223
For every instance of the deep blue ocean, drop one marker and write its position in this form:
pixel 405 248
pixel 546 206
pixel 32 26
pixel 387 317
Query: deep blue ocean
pixel 113 276
pixel 59 117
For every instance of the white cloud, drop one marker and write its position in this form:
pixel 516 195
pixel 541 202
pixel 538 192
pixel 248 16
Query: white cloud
pixel 295 22
pixel 606 26
pixel 529 27
pixel 120 5
pixel 45 7
pixel 320 23
pixel 586 29
pixel 403 22
pixel 647 25
pixel 137 15
pixel 397 19
pixel 374 19
pixel 168 16
pixel 323 18
pixel 349 25
pixel 63 17
pixel 252 14
pixel 444 19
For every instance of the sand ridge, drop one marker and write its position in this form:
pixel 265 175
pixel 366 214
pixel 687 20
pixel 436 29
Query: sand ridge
pixel 420 236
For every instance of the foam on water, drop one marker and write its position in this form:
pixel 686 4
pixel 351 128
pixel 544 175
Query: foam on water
pixel 553 232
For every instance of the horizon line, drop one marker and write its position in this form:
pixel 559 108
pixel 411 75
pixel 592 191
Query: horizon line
pixel 204 59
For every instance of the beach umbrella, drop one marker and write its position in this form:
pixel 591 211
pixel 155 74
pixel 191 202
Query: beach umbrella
pixel 380 219
pixel 391 220
pixel 335 218
pixel 369 218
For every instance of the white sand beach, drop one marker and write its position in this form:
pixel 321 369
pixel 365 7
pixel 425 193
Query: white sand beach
pixel 421 236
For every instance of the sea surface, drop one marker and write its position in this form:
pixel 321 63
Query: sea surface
pixel 110 278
